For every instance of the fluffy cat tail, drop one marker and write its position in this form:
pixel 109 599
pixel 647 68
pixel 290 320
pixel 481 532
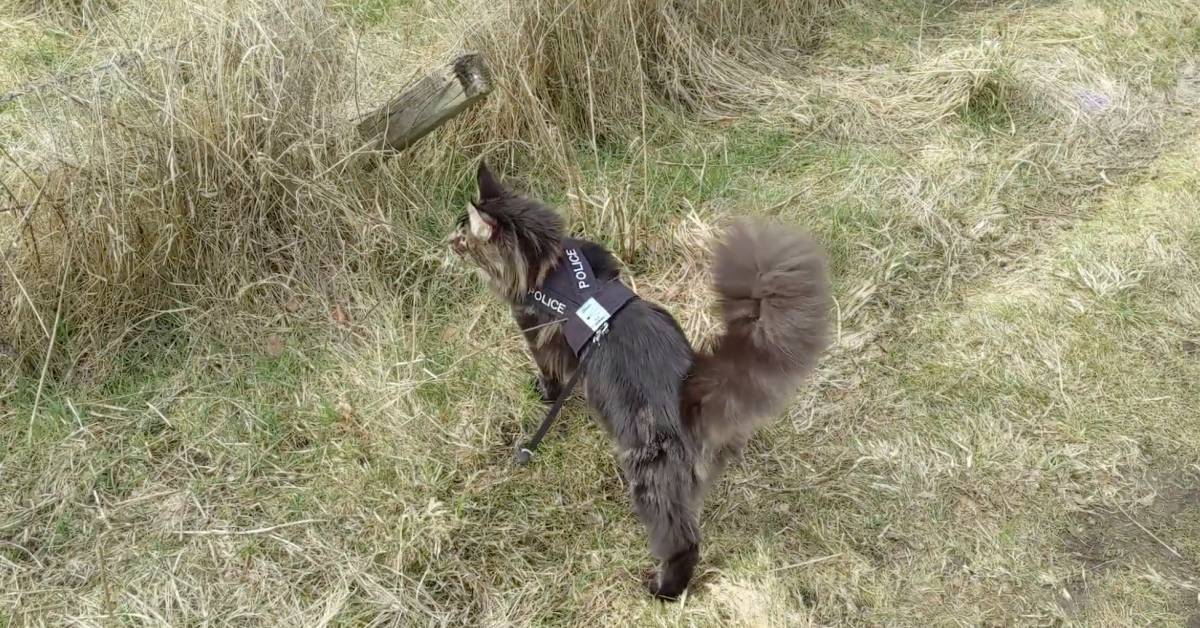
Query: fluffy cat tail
pixel 773 291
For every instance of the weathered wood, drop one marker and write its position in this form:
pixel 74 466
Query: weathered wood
pixel 431 102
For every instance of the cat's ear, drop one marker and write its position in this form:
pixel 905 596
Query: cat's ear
pixel 489 184
pixel 482 225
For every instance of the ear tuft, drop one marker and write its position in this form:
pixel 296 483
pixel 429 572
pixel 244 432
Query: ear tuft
pixel 490 186
pixel 482 225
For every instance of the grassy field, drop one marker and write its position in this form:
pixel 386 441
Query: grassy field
pixel 244 383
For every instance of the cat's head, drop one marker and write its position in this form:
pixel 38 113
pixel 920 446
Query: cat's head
pixel 514 241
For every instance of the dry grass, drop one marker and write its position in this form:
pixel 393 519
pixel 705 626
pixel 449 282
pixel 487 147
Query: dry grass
pixel 186 176
pixel 248 388
pixel 70 13
pixel 593 66
pixel 183 180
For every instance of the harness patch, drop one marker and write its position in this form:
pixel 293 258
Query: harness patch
pixel 573 293
pixel 592 314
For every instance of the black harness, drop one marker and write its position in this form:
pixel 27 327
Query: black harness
pixel 573 294
pixel 584 304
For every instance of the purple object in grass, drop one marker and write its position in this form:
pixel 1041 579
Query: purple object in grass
pixel 1093 102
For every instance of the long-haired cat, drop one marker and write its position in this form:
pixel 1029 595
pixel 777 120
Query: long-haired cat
pixel 677 415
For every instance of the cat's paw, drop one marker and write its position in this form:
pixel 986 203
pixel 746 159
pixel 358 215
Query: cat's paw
pixel 650 579
pixel 546 389
pixel 653 584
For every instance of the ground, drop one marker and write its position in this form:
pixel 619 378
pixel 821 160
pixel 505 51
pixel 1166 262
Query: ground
pixel 1004 432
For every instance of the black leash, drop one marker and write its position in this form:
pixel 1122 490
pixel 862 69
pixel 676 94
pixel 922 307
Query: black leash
pixel 525 450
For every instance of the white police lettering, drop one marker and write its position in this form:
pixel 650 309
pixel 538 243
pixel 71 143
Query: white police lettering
pixel 549 301
pixel 577 266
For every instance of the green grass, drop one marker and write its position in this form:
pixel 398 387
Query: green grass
pixel 28 50
pixel 367 13
pixel 1003 434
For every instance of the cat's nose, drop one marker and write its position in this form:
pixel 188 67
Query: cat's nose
pixel 457 242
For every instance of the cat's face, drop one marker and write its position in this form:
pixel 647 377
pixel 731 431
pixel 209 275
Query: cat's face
pixel 477 239
pixel 511 240
pixel 478 230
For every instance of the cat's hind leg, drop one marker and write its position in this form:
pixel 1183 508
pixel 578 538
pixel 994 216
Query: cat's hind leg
pixel 662 484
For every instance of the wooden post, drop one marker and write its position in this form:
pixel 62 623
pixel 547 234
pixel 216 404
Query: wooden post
pixel 432 101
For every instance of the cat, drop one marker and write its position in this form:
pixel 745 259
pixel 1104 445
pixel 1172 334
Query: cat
pixel 677 415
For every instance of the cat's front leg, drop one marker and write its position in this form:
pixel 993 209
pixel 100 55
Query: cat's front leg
pixel 555 363
pixel 553 357
pixel 547 386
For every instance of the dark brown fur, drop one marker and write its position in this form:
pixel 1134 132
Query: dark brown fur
pixel 677 416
